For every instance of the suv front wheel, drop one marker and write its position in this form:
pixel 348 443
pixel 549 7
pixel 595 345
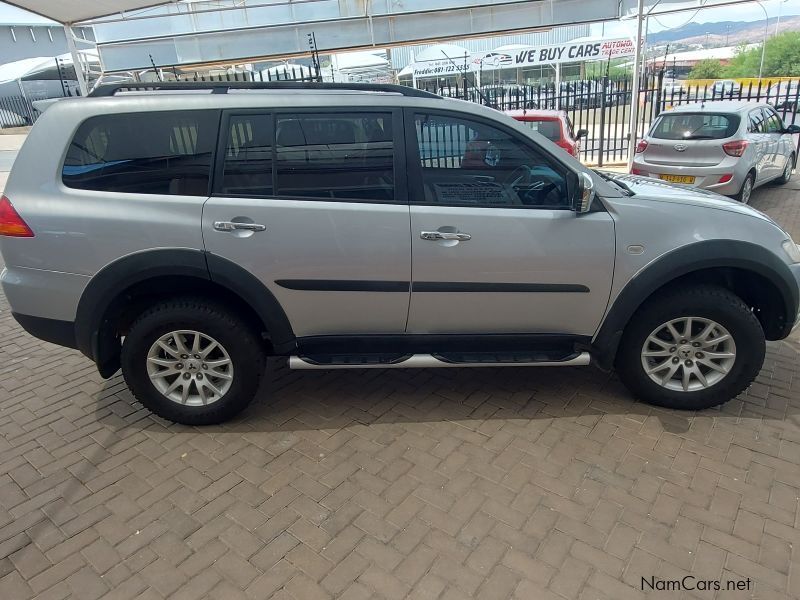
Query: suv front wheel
pixel 191 361
pixel 692 349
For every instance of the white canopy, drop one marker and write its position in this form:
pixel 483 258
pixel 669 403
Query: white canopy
pixel 69 12
pixel 27 67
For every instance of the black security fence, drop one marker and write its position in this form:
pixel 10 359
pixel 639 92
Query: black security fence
pixel 602 106
pixel 293 73
pixel 17 111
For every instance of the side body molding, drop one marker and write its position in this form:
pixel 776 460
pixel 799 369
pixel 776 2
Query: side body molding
pixel 687 259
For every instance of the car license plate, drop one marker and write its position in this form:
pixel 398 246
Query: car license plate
pixel 677 178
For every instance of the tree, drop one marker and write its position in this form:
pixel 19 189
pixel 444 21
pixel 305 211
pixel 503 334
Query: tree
pixel 707 69
pixel 781 58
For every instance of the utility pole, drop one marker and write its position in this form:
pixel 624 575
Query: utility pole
pixel 637 77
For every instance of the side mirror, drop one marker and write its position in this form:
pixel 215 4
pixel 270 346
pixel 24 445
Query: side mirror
pixel 584 194
pixel 581 133
pixel 792 129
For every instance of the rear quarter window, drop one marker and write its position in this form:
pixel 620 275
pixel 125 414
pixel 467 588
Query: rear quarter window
pixel 168 153
pixel 695 126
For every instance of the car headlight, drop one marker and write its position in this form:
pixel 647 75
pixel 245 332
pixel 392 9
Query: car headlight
pixel 792 250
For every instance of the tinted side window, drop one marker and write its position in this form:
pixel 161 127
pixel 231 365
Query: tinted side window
pixel 773 122
pixel 247 164
pixel 337 156
pixel 143 153
pixel 757 122
pixel 468 163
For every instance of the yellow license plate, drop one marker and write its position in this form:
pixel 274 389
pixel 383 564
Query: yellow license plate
pixel 677 178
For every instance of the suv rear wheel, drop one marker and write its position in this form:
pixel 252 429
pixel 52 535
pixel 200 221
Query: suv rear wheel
pixel 192 361
pixel 695 348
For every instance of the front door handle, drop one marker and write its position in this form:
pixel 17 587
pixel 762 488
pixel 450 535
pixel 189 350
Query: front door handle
pixel 444 235
pixel 233 225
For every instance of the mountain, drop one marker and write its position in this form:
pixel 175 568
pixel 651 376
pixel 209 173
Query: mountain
pixel 722 33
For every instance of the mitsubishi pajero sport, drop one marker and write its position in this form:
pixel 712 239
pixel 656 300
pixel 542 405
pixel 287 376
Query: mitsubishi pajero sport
pixel 185 232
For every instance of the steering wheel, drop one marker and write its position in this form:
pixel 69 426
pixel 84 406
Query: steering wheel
pixel 519 176
pixel 522 177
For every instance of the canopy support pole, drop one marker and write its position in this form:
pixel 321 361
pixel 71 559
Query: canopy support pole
pixel 76 61
pixel 637 77
pixel 558 86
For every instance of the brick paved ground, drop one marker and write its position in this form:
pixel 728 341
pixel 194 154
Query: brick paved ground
pixel 525 483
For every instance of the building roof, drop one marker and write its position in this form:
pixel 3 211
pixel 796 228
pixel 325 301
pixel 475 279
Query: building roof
pixel 76 11
pixel 26 67
pixel 724 53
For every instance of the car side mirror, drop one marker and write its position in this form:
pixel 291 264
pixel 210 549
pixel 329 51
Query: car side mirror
pixel 584 194
pixel 581 133
pixel 792 129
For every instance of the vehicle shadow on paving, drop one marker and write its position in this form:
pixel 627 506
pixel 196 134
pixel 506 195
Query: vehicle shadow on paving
pixel 331 400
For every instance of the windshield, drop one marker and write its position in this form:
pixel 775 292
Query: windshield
pixel 550 128
pixel 695 126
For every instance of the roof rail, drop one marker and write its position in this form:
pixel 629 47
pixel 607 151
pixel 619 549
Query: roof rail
pixel 222 87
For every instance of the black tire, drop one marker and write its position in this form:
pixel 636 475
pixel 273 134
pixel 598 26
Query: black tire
pixel 705 301
pixel 239 339
pixel 786 176
pixel 741 195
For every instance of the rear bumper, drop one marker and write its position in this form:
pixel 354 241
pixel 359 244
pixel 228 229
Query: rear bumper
pixel 61 333
pixel 705 177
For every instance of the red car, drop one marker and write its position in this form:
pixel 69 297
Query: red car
pixel 554 125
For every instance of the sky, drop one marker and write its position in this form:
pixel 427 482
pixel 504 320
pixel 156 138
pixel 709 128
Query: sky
pixel 742 12
pixel 12 14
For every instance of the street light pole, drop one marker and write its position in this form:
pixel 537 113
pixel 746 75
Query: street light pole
pixel 637 75
pixel 778 24
pixel 764 43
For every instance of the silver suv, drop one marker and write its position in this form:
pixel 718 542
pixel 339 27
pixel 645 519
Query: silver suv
pixel 185 236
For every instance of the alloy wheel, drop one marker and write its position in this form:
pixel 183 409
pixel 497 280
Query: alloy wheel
pixel 190 368
pixel 747 190
pixel 688 354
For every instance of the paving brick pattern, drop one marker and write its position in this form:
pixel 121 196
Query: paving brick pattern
pixel 437 484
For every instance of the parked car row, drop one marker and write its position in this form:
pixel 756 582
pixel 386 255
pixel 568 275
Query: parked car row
pixel 783 96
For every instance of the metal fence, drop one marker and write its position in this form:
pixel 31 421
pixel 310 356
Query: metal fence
pixel 16 111
pixel 601 107
pixel 288 74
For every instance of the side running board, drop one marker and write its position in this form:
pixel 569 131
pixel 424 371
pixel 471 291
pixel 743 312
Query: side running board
pixel 411 361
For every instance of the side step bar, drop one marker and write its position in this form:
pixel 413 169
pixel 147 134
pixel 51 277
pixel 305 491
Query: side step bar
pixel 431 361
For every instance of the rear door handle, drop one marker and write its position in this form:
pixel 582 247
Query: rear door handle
pixel 444 235
pixel 233 225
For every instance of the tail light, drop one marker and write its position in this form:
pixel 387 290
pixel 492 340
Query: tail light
pixel 641 146
pixel 635 171
pixel 735 148
pixel 11 224
pixel 726 178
